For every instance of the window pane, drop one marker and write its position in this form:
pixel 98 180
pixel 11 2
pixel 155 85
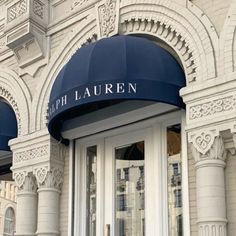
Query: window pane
pixel 130 209
pixel 9 222
pixel 174 180
pixel 91 190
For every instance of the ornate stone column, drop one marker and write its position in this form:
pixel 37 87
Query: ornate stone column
pixel 38 161
pixel 26 214
pixel 209 154
pixel 49 188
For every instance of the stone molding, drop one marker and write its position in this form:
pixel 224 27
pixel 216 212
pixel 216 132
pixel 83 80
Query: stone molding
pixel 170 26
pixel 83 34
pixel 227 42
pixel 107 18
pixel 170 35
pixel 212 228
pixel 31 154
pixel 49 177
pixel 36 149
pixel 207 145
pixel 25 29
pixel 212 107
pixel 16 93
pixel 16 10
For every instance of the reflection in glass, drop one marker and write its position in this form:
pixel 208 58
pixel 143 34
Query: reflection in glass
pixel 91 190
pixel 174 180
pixel 130 197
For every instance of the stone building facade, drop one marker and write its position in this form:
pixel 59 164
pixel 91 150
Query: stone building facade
pixel 41 40
pixel 8 192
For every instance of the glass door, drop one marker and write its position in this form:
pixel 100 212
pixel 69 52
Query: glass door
pixel 128 182
pixel 125 204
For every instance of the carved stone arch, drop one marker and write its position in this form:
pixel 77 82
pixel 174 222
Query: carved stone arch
pixel 180 29
pixel 191 41
pixel 79 36
pixel 16 93
pixel 228 41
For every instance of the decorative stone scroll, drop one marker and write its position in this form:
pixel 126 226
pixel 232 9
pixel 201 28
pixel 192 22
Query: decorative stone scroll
pixel 108 16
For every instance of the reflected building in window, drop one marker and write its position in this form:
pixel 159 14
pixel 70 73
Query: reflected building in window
pixel 174 180
pixel 130 190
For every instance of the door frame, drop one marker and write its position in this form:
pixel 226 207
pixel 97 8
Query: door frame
pixel 164 120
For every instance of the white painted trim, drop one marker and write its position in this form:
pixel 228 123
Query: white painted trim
pixel 157 130
pixel 70 195
pixel 127 117
pixel 185 181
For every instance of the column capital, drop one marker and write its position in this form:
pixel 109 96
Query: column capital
pixel 207 145
pixel 25 181
pixel 49 177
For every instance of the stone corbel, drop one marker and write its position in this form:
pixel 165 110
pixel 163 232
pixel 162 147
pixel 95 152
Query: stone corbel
pixel 207 145
pixel 25 29
pixel 107 18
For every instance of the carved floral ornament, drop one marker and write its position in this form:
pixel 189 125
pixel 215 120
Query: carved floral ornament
pixel 108 17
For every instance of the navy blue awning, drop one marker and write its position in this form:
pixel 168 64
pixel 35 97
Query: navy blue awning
pixel 8 125
pixel 113 70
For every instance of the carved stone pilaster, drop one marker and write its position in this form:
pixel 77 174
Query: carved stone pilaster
pixel 107 18
pixel 26 218
pixel 209 153
pixel 49 181
pixel 49 178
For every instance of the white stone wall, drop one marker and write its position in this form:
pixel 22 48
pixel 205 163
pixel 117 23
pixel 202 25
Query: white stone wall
pixel 201 33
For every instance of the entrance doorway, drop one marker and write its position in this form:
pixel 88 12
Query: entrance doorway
pixel 128 181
